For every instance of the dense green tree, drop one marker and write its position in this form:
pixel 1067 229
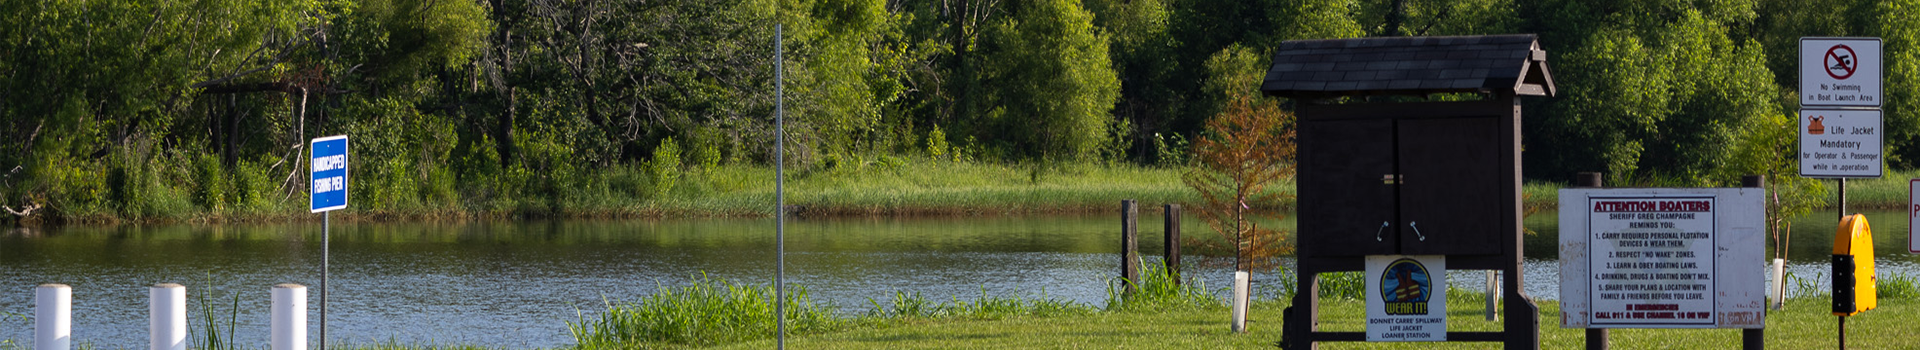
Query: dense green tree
pixel 137 109
pixel 1052 82
pixel 1653 91
pixel 1894 22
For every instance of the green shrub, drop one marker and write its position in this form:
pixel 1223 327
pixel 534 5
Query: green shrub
pixel 665 167
pixel 252 187
pixel 209 183
pixel 937 145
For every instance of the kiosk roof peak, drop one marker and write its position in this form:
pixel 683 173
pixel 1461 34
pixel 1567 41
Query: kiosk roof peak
pixel 1409 66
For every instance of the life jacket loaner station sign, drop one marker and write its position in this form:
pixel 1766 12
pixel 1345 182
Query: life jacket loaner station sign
pixel 329 176
pixel 1840 72
pixel 1662 258
pixel 1841 143
pixel 1406 298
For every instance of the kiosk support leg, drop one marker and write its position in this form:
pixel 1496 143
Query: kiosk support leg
pixel 1302 319
pixel 1523 317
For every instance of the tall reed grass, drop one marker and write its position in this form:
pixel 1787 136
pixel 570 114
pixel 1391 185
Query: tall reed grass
pixel 708 311
pixel 1898 286
pixel 210 336
pixel 7 320
pixel 1160 289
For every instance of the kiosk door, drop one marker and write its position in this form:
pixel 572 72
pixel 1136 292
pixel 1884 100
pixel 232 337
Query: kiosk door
pixel 1348 166
pixel 1411 186
pixel 1450 191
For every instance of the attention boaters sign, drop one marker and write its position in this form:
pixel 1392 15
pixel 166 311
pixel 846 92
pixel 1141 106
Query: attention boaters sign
pixel 1662 258
pixel 1406 298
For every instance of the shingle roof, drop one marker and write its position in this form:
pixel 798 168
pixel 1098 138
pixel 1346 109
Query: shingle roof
pixel 1408 65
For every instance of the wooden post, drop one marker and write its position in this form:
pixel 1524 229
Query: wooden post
pixel 53 317
pixel 1753 339
pixel 1596 337
pixel 1129 244
pixel 1172 227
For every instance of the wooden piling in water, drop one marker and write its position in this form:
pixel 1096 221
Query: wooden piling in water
pixel 1172 248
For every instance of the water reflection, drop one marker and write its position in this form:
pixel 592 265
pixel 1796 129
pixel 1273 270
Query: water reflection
pixel 515 284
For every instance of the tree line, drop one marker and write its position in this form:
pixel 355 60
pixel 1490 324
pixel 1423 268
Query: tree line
pixel 106 104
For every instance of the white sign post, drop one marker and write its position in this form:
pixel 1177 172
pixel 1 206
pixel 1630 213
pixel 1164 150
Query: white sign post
pixel 1662 258
pixel 1406 298
pixel 1841 143
pixel 1840 72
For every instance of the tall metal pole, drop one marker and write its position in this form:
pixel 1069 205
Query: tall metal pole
pixel 1843 219
pixel 779 191
pixel 326 219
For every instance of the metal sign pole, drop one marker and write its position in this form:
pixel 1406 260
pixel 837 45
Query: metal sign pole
pixel 327 191
pixel 780 192
pixel 326 219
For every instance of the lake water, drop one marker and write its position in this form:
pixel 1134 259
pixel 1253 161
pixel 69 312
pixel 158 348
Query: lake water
pixel 516 284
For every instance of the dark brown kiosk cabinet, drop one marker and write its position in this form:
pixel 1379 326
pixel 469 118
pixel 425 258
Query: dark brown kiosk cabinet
pixel 1410 145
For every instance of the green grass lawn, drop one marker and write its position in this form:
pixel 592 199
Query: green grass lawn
pixel 1805 324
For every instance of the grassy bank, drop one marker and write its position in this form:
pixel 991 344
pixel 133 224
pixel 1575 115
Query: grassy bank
pixel 1803 325
pixel 894 186
pixel 197 191
pixel 715 313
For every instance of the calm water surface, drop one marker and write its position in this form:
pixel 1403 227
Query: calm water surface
pixel 516 284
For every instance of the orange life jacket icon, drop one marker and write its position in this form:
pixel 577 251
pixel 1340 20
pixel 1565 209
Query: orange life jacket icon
pixel 1816 127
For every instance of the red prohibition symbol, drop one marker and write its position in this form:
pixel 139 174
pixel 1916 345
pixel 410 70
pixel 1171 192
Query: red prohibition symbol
pixel 1840 62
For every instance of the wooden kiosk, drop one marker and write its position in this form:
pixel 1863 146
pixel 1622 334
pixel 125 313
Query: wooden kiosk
pixel 1412 178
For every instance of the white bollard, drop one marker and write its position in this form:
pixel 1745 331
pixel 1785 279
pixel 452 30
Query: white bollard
pixel 53 317
pixel 1493 295
pixel 167 326
pixel 1240 285
pixel 289 317
pixel 1779 287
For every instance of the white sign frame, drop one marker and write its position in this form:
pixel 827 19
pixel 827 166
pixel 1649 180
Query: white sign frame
pixel 1429 323
pixel 1738 291
pixel 1913 216
pixel 1824 81
pixel 1850 144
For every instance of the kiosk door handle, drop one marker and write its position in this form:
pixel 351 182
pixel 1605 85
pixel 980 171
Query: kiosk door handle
pixel 1383 228
pixel 1416 230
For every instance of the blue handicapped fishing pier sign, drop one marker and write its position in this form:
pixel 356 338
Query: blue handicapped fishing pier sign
pixel 329 191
